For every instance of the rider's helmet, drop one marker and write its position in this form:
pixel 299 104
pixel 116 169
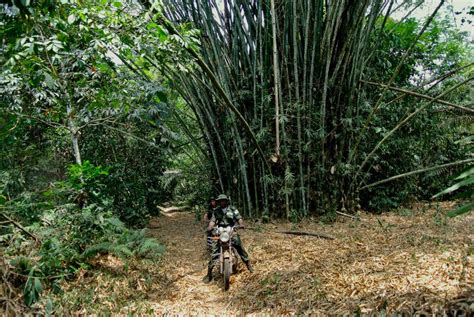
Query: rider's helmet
pixel 222 197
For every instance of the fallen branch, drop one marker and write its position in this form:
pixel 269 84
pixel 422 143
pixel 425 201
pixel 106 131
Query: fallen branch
pixel 347 215
pixel 16 224
pixel 172 209
pixel 311 234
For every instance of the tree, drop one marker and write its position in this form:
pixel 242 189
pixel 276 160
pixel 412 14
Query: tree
pixel 292 71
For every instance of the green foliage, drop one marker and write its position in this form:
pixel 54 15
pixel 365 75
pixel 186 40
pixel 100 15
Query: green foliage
pixel 33 289
pixel 71 233
pixel 130 243
pixel 329 120
pixel 65 77
pixel 430 137
pixel 464 184
pixel 65 83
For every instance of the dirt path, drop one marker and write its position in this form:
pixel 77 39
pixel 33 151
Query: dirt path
pixel 186 266
pixel 410 262
pixel 395 262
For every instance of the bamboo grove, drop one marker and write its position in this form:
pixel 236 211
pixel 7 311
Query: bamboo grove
pixel 280 98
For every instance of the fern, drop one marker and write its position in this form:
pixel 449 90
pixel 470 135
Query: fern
pixel 100 248
pixel 119 250
pixel 150 248
pixel 116 223
pixel 129 244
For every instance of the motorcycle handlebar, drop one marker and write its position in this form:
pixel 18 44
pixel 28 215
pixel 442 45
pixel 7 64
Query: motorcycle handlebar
pixel 234 227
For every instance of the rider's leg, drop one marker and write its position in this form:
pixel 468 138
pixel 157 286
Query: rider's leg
pixel 237 243
pixel 209 243
pixel 214 255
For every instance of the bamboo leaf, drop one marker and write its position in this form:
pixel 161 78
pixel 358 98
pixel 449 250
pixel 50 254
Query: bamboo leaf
pixel 461 210
pixel 456 186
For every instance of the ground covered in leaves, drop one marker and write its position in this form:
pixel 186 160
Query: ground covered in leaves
pixel 410 261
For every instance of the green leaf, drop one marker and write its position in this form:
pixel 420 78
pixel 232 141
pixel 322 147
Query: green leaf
pixel 151 25
pixel 465 140
pixel 117 4
pixel 162 33
pixel 49 308
pixel 49 81
pixel 466 173
pixel 461 210
pixel 33 289
pixel 38 285
pixel 71 19
pixel 456 186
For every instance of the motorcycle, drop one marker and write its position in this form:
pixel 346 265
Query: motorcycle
pixel 228 256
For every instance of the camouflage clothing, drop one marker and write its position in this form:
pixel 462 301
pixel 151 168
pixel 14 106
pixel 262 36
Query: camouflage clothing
pixel 236 243
pixel 210 214
pixel 227 217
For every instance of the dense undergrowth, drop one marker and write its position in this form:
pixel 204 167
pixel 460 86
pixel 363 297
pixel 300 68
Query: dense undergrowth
pixel 66 227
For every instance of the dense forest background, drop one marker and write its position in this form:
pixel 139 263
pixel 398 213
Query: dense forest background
pixel 295 109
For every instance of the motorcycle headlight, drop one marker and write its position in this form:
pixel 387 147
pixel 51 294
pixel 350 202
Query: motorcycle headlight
pixel 224 237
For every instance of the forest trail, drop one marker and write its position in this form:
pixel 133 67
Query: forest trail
pixel 394 262
pixel 186 266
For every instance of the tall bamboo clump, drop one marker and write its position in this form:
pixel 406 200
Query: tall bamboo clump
pixel 290 69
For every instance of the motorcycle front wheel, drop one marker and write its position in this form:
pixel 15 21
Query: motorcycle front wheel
pixel 227 271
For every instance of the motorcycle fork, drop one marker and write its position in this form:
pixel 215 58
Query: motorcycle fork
pixel 225 254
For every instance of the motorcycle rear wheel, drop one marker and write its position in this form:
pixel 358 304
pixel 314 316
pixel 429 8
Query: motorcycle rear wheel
pixel 227 272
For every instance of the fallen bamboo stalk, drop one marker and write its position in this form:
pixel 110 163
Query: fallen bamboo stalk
pixel 173 209
pixel 311 234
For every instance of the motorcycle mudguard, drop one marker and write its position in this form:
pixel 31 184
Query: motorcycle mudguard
pixel 234 259
pixel 221 261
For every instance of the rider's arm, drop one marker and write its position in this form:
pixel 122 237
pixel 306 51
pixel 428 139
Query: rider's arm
pixel 211 225
pixel 239 218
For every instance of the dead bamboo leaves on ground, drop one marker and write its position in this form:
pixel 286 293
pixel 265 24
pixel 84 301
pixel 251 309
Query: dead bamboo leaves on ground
pixel 406 262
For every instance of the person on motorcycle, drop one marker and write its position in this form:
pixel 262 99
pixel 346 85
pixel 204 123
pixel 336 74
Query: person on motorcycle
pixel 225 215
pixel 207 219
pixel 210 210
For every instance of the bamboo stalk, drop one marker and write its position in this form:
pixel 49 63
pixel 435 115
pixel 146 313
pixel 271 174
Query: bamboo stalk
pixel 298 109
pixel 418 171
pixel 404 121
pixel 276 76
pixel 416 94
pixel 221 92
